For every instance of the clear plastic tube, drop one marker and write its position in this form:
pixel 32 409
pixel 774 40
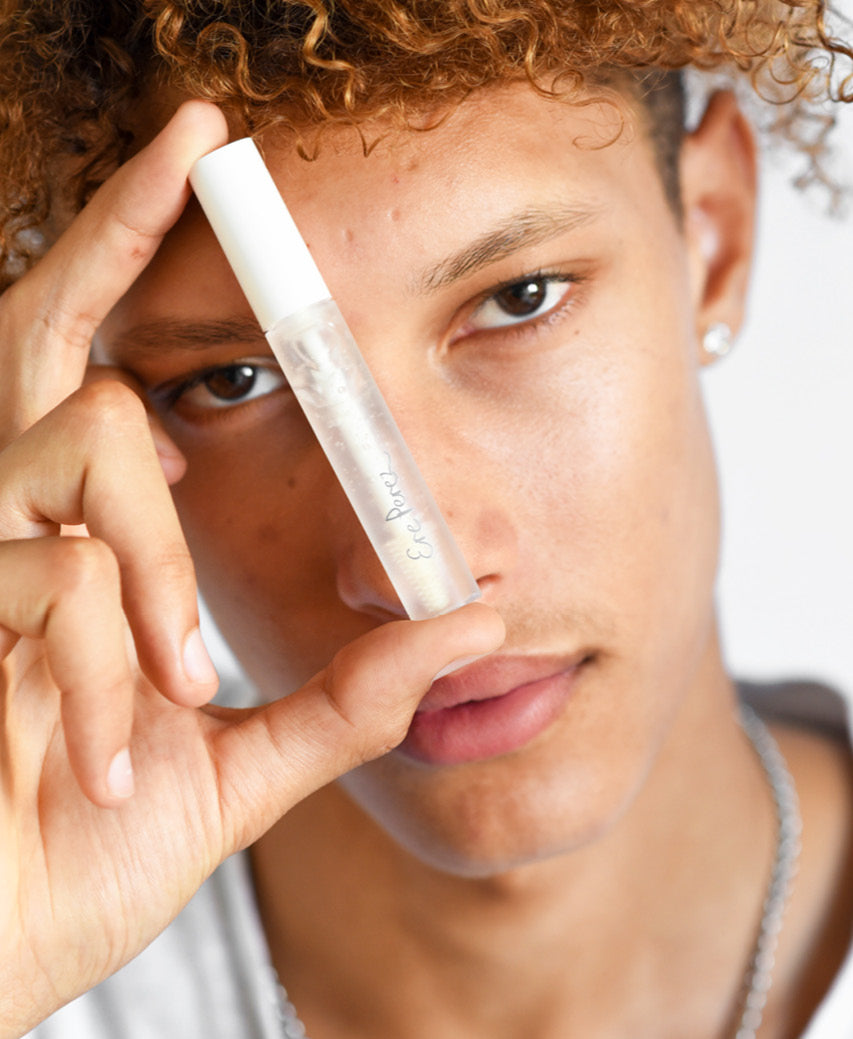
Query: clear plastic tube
pixel 359 436
pixel 329 377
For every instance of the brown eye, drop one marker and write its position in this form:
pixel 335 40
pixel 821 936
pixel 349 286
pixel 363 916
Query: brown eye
pixel 523 298
pixel 223 386
pixel 232 383
pixel 521 301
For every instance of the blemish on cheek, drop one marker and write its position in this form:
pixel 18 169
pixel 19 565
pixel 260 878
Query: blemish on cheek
pixel 267 534
pixel 494 528
pixel 291 482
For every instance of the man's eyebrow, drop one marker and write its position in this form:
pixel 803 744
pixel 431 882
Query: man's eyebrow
pixel 160 335
pixel 522 229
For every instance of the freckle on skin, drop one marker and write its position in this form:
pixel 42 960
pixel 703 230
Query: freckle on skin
pixel 291 482
pixel 494 527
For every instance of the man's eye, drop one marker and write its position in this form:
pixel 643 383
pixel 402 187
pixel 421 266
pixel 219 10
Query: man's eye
pixel 223 387
pixel 523 300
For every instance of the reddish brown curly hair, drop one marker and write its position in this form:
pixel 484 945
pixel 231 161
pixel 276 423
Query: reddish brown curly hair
pixel 71 73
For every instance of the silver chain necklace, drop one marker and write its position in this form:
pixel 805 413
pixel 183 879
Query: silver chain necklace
pixel 759 973
pixel 291 1026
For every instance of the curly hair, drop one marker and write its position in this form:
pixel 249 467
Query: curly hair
pixel 72 72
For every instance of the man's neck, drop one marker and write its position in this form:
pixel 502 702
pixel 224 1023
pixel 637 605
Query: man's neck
pixel 651 923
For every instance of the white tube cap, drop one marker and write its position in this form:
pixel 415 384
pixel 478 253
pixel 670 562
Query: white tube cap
pixel 257 233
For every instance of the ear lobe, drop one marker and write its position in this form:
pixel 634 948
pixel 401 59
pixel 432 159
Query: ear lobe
pixel 718 185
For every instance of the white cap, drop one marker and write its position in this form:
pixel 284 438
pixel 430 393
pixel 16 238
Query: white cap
pixel 256 232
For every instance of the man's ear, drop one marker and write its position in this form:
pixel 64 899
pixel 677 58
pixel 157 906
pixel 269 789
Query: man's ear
pixel 718 190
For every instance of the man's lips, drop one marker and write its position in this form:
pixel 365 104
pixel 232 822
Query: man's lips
pixel 491 707
pixel 492 677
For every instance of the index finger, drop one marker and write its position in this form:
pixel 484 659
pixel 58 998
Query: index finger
pixel 48 317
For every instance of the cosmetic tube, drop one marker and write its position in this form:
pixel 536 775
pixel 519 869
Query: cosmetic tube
pixel 331 381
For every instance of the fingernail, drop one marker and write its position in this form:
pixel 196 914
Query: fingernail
pixel 172 461
pixel 198 666
pixel 456 665
pixel 120 776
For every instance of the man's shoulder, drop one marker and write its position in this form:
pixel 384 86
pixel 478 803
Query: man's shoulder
pixel 801 703
pixel 811 724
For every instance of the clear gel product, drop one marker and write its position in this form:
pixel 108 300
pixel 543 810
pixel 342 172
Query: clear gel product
pixel 331 381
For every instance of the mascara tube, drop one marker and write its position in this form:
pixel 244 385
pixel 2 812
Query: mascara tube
pixel 329 377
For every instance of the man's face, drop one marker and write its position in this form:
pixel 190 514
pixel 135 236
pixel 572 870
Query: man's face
pixel 526 302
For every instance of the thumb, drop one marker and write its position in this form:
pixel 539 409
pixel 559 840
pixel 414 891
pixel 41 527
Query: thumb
pixel 356 709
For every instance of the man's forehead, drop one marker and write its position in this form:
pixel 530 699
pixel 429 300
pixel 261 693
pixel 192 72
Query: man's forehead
pixel 411 228
pixel 485 117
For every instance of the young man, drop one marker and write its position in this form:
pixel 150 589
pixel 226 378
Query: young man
pixel 569 836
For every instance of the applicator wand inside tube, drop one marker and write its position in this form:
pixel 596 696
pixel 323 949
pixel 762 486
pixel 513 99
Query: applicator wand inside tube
pixel 328 376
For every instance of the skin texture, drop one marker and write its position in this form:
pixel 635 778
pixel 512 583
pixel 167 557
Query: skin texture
pixel 571 457
pixel 572 460
pixel 100 631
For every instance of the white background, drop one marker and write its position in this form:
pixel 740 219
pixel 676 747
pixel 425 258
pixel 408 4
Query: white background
pixel 782 412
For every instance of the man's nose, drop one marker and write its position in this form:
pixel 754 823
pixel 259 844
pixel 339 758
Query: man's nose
pixel 448 463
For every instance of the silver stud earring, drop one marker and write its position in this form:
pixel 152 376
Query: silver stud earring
pixel 717 341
